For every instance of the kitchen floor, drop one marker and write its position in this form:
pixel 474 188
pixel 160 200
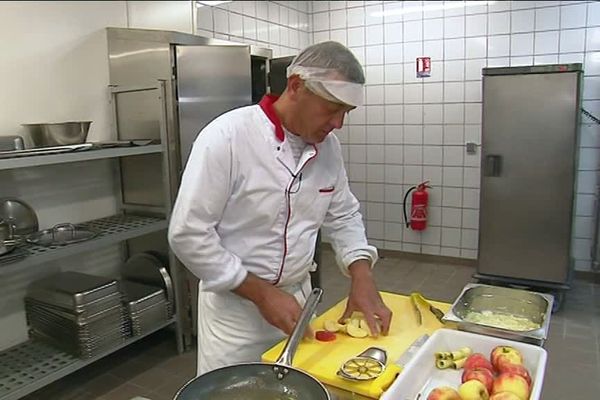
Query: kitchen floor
pixel 151 368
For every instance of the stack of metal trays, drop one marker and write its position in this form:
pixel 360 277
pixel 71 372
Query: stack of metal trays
pixel 146 306
pixel 79 313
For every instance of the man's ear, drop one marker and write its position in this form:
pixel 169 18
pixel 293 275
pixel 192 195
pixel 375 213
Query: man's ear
pixel 294 85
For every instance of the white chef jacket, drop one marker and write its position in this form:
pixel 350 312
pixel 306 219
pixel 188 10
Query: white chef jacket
pixel 245 205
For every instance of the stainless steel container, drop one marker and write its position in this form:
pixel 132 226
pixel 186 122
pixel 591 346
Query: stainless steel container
pixel 72 290
pixel 58 134
pixel 10 143
pixel 532 306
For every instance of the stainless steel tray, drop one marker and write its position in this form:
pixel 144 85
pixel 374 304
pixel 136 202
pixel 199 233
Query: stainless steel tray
pixel 138 296
pixel 150 268
pixel 86 310
pixel 148 319
pixel 45 150
pixel 534 306
pixel 72 290
pixel 62 234
pixel 78 350
pixel 77 319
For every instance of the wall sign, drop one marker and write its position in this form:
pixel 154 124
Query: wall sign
pixel 423 67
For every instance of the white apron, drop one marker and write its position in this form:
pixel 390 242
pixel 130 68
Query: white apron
pixel 231 330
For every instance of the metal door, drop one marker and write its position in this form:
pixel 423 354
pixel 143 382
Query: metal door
pixel 210 81
pixel 528 167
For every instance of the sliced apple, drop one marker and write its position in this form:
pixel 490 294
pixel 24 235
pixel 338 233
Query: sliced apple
pixel 332 326
pixel 356 331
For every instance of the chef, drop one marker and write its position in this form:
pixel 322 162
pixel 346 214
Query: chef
pixel 260 182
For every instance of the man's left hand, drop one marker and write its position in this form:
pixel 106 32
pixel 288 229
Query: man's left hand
pixel 365 298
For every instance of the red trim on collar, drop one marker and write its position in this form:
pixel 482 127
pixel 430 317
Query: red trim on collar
pixel 266 104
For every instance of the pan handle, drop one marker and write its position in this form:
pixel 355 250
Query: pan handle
pixel 287 355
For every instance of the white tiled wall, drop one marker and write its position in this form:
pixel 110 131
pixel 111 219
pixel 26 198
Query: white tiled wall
pixel 282 26
pixel 414 129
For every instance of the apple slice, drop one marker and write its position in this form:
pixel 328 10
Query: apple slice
pixel 325 336
pixel 332 326
pixel 356 331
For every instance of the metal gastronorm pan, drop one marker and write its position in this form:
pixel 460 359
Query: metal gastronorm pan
pixel 536 307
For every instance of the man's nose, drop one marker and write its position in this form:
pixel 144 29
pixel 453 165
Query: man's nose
pixel 338 121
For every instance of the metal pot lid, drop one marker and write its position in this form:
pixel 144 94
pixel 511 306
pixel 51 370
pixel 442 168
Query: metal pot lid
pixel 20 214
pixel 62 234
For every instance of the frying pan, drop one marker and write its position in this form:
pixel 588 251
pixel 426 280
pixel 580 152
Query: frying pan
pixel 262 381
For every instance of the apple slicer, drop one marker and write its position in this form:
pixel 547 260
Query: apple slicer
pixel 368 365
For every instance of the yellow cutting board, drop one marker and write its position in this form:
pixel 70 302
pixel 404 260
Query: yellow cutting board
pixel 323 359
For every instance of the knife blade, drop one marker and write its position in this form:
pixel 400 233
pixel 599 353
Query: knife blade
pixel 417 311
pixel 411 350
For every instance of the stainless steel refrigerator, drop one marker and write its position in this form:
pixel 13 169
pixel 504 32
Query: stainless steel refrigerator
pixel 529 164
pixel 170 85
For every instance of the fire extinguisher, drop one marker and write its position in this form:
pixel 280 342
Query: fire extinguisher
pixel 418 210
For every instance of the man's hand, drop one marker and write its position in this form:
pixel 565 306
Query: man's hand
pixel 365 298
pixel 277 307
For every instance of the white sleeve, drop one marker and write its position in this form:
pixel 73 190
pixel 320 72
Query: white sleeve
pixel 205 188
pixel 344 228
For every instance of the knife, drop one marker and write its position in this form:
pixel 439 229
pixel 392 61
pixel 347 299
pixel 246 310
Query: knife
pixel 417 311
pixel 411 350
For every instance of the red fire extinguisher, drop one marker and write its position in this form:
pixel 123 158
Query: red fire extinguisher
pixel 418 210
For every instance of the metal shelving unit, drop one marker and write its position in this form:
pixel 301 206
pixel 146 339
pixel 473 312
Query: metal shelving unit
pixel 77 156
pixel 32 365
pixel 112 230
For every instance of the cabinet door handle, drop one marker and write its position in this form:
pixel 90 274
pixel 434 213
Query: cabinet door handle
pixel 493 165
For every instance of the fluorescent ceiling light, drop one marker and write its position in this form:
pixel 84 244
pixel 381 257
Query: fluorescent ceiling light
pixel 431 7
pixel 210 3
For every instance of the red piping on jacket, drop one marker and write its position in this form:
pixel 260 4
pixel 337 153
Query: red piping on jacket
pixel 289 203
pixel 266 104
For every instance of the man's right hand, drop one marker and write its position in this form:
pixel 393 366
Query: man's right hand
pixel 277 307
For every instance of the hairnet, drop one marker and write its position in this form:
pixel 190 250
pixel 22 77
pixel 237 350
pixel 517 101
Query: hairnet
pixel 331 71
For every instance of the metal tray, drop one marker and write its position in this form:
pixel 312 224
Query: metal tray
pixel 86 310
pixel 79 350
pixel 77 319
pixel 72 290
pixel 534 306
pixel 150 268
pixel 45 150
pixel 138 296
pixel 62 234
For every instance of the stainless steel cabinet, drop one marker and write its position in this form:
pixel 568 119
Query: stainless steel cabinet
pixel 529 159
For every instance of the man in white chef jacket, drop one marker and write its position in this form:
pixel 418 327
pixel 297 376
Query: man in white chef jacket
pixel 260 182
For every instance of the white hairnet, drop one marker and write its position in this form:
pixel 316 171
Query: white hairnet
pixel 331 71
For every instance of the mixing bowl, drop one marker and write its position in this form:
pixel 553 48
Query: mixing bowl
pixel 58 134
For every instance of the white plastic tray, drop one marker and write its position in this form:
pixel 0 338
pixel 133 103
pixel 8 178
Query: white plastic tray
pixel 420 376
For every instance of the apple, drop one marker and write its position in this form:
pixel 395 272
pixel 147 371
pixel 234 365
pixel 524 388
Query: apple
pixel 477 360
pixel 482 375
pixel 443 393
pixel 503 354
pixel 505 396
pixel 509 382
pixel 473 390
pixel 516 369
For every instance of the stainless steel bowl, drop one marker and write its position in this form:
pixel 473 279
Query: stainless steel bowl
pixel 58 134
pixel 532 306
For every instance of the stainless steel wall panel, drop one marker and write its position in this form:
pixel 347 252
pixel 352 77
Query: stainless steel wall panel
pixel 210 81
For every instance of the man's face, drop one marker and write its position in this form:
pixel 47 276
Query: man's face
pixel 316 117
